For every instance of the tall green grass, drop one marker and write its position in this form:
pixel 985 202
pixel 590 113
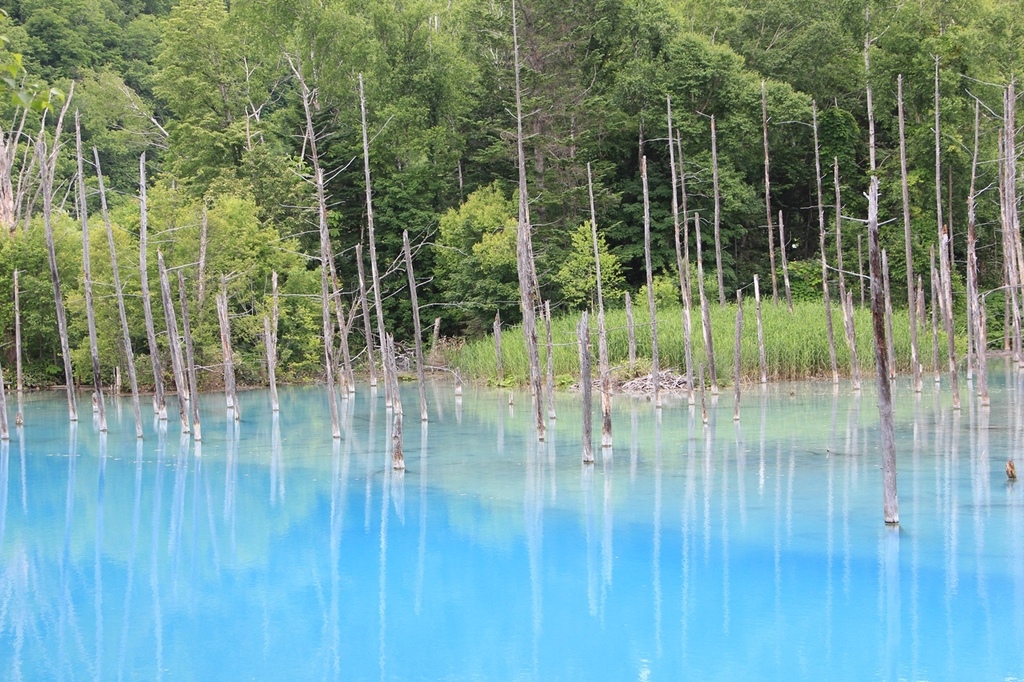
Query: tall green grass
pixel 796 344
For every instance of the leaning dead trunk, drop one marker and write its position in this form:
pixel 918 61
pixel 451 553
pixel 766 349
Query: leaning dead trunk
pixel 651 302
pixel 159 398
pixel 126 338
pixel 374 274
pixel 417 331
pixel 890 348
pixel 397 454
pixel 90 312
pixel 5 433
pixel 524 251
pixel 174 340
pixel 891 500
pixel 682 263
pixel 47 168
pixel 785 263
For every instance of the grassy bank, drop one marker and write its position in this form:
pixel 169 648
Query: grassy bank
pixel 796 344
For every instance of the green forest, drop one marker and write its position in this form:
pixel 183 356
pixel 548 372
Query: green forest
pixel 212 93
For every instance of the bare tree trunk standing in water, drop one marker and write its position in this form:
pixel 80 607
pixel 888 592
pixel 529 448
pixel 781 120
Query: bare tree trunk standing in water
pixel 976 301
pixel 90 311
pixel 891 500
pixel 602 335
pixel 374 274
pixel 159 396
pixel 417 329
pixel 230 394
pixel 270 344
pixel 651 302
pixel 122 315
pixel 325 247
pixel 174 340
pixel 911 296
pixel 524 251
pixel 190 359
pixel 705 313
pixel 682 263
pixel 367 326
pixel 47 169
pixel 586 386
pixel 945 278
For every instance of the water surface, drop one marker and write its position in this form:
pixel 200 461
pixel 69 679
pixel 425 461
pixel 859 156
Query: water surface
pixel 749 550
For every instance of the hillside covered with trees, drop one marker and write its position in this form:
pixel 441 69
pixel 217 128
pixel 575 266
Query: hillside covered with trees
pixel 212 93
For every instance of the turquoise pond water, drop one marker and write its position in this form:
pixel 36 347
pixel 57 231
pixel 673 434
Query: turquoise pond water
pixel 749 550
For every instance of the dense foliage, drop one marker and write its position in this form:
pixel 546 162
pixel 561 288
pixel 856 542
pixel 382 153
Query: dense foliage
pixel 207 90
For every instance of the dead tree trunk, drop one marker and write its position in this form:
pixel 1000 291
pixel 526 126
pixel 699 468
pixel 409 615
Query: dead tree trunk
pixel 976 303
pixel 174 340
pixel 785 263
pixel 326 256
pixel 159 397
pixel 602 335
pixel 682 264
pixel 586 384
pixel 705 313
pixel 270 344
pixel 761 359
pixel 90 311
pixel 851 338
pixel 821 244
pixel 417 330
pixel 945 239
pixel 190 359
pixel 630 334
pixel 936 303
pixel 367 326
pixel 524 250
pixel 17 346
pixel 347 380
pixel 498 364
pixel 204 238
pixel 768 197
pixel 397 454
pixel 47 169
pixel 947 293
pixel 651 302
pixel 718 220
pixel 737 356
pixel 890 348
pixel 374 274
pixel 891 500
pixel 905 185
pixel 5 433
pixel 225 345
pixel 551 362
pixel 839 232
pixel 126 338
